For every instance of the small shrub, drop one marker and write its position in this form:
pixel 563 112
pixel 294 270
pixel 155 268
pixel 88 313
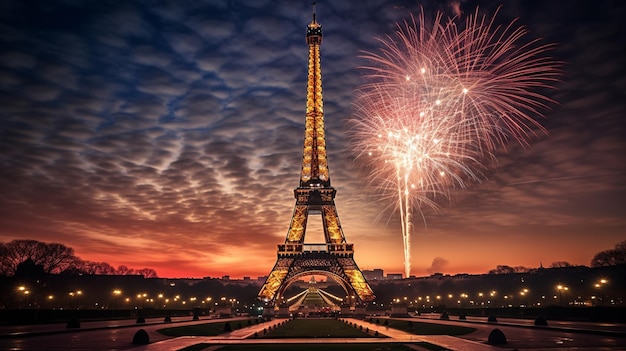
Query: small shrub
pixel 492 319
pixel 140 320
pixel 73 323
pixel 141 337
pixel 541 321
pixel 167 319
pixel 496 337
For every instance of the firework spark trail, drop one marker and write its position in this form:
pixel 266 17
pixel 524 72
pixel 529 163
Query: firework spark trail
pixel 441 98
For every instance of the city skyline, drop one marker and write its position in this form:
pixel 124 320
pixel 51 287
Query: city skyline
pixel 169 136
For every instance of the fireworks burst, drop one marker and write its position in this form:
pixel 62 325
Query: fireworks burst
pixel 440 99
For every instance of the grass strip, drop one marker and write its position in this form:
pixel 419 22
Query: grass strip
pixel 423 328
pixel 316 328
pixel 206 329
pixel 317 347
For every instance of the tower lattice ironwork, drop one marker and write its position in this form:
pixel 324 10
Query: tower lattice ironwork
pixel 315 196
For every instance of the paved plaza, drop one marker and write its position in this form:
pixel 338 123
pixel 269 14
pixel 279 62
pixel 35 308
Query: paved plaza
pixel 117 335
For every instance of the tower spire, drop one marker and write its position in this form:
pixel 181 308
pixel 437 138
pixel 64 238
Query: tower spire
pixel 314 162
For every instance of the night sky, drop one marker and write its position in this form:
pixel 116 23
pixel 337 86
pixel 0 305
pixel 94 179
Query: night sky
pixel 168 135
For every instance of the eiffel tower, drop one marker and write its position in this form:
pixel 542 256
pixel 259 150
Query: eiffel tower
pixel 315 196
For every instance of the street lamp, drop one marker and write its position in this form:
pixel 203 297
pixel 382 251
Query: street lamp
pixel 116 294
pixel 74 295
pixel 160 296
pixel 523 298
pixel 561 288
pixel 599 285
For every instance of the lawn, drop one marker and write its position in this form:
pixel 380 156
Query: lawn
pixel 317 347
pixel 208 329
pixel 422 328
pixel 316 328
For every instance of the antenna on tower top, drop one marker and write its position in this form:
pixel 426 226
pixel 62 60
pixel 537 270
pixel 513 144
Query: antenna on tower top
pixel 314 11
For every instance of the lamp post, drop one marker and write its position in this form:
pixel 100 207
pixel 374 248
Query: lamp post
pixel 116 294
pixel 561 288
pixel 23 292
pixel 524 297
pixel 462 299
pixel 74 295
pixel 599 286
pixel 161 305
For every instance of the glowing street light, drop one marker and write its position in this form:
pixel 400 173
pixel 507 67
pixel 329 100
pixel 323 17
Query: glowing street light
pixel 561 288
pixel 599 285
pixel 116 295
pixel 74 295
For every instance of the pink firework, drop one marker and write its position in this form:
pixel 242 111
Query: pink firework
pixel 441 98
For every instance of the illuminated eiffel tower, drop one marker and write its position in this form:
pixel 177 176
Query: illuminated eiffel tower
pixel 315 196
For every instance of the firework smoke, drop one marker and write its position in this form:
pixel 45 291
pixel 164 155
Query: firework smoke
pixel 439 99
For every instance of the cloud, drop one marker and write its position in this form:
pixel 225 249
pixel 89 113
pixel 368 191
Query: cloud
pixel 438 265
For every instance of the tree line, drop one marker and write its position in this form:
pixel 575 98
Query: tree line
pixel 611 257
pixel 55 258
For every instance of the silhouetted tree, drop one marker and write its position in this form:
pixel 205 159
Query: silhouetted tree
pixel 52 257
pixel 560 264
pixel 124 270
pixel 147 272
pixel 30 269
pixel 55 258
pixel 612 257
pixel 91 267
pixel 503 269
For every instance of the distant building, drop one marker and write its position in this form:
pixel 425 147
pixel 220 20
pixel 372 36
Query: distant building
pixel 394 276
pixel 374 274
